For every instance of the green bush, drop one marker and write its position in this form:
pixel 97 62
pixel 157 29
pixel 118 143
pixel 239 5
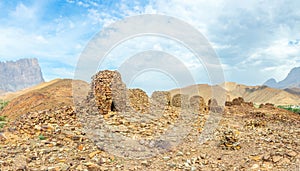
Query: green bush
pixel 289 108
pixel 2 124
pixel 3 104
pixel 2 121
pixel 2 118
pixel 42 137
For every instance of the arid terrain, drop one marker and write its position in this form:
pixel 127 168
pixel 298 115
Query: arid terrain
pixel 49 95
pixel 47 131
pixel 149 85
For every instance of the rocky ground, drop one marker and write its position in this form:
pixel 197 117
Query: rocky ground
pixel 154 134
pixel 246 139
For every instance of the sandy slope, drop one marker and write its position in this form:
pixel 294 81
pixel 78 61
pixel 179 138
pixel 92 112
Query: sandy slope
pixel 47 95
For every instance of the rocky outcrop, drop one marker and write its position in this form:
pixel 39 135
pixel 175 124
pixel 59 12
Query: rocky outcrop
pixel 20 74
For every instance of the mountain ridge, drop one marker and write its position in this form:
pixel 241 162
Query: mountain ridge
pixel 292 80
pixel 20 74
pixel 256 94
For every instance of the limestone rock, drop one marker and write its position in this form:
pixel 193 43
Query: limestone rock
pixel 20 74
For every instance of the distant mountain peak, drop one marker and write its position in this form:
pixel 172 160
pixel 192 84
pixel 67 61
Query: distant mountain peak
pixel 20 74
pixel 271 82
pixel 292 80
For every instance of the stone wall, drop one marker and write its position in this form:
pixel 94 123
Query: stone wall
pixel 109 91
pixel 161 98
pixel 138 100
pixel 180 100
pixel 197 103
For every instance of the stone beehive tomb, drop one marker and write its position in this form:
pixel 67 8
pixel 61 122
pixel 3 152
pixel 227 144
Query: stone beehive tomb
pixel 161 98
pixel 197 103
pixel 180 100
pixel 138 100
pixel 212 102
pixel 238 102
pixel 213 106
pixel 110 94
pixel 109 91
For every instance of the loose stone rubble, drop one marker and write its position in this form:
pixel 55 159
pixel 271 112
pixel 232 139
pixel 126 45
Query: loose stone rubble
pixel 247 138
pixel 230 141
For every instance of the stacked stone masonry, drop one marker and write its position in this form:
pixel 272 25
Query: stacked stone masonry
pixel 111 94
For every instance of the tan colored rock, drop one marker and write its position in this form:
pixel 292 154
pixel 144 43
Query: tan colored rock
pixel 92 154
pixel 284 161
pixel 276 159
pixel 291 153
pixel 255 166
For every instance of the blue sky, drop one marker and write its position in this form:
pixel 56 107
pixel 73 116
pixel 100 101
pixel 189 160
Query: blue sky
pixel 254 40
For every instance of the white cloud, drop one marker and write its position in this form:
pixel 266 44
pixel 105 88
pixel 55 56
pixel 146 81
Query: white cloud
pixel 255 39
pixel 41 39
pixel 71 1
pixel 278 58
pixel 248 36
pixel 80 3
pixel 23 12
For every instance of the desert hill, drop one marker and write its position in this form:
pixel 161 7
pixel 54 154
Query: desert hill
pixel 231 90
pixel 261 94
pixel 48 95
pixel 293 90
pixel 204 90
pixel 11 95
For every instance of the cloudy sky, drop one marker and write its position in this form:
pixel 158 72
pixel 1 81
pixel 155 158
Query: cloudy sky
pixel 254 40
